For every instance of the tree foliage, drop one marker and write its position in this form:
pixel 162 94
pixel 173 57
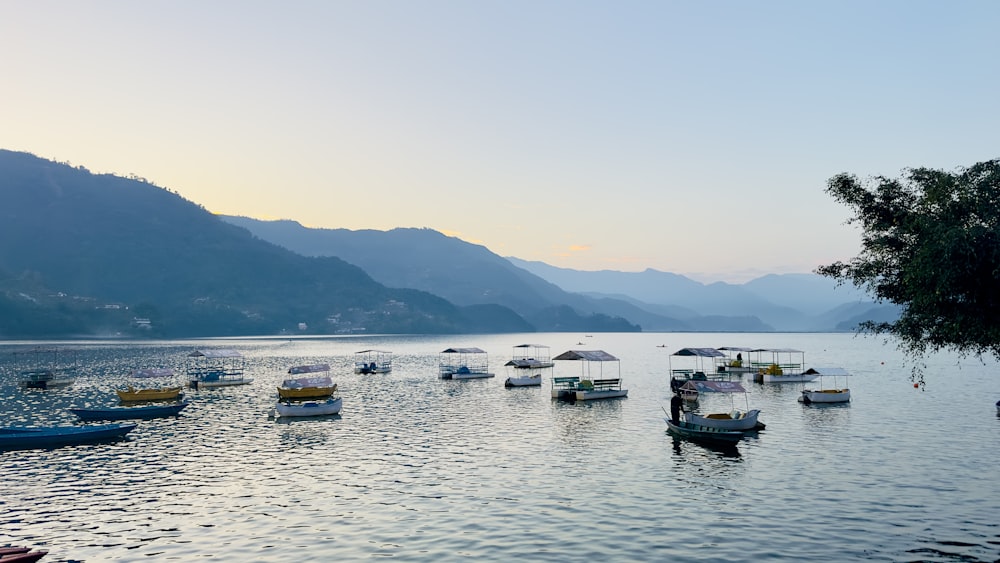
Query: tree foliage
pixel 930 244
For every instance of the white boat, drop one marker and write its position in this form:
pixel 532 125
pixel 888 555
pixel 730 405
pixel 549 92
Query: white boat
pixel 780 365
pixel 527 364
pixel 464 363
pixel 216 368
pixel 743 420
pixel 734 360
pixel 600 377
pixel 47 370
pixel 693 364
pixel 827 395
pixel 309 408
pixel 311 387
pixel 372 361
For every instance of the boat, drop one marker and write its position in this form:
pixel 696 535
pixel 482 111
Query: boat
pixel 372 361
pixel 527 364
pixel 734 362
pixel 740 420
pixel 313 387
pixel 129 413
pixel 998 408
pixel 780 365
pixel 47 371
pixel 593 383
pixel 464 363
pixel 827 395
pixel 216 368
pixel 26 438
pixel 697 364
pixel 20 554
pixel 157 394
pixel 706 434
pixel 309 408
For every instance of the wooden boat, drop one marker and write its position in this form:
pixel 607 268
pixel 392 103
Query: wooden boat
pixel 372 361
pixel 129 413
pixel 314 387
pixel 25 438
pixel 216 368
pixel 18 554
pixel 464 363
pixel 825 395
pixel 527 364
pixel 309 408
pixel 160 394
pixel 744 421
pixel 705 434
pixel 593 383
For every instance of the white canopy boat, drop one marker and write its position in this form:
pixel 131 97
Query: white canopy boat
pixel 780 365
pixel 527 364
pixel 310 387
pixel 372 361
pixel 309 408
pixel 593 383
pixel 464 363
pixel 734 361
pixel 47 370
pixel 216 368
pixel 824 395
pixel 745 420
pixel 696 365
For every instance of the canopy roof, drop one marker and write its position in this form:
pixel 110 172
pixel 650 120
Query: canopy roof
pixel 463 351
pixel 840 372
pixel 219 353
pixel 778 350
pixel 714 386
pixel 307 382
pixel 735 349
pixel 373 351
pixel 589 355
pixel 314 368
pixel 531 346
pixel 700 352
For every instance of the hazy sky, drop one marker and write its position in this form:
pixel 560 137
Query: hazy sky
pixel 691 137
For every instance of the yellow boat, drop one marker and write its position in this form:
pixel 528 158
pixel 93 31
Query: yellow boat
pixel 315 387
pixel 161 394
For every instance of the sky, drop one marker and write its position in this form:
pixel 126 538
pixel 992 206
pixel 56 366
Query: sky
pixel 690 137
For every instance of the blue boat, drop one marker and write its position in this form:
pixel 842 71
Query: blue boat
pixel 704 434
pixel 26 438
pixel 129 413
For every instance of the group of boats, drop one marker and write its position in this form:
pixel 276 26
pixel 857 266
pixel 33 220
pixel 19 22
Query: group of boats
pixel 713 370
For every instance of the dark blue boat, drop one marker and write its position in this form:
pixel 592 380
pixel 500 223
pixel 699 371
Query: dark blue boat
pixel 25 438
pixel 129 413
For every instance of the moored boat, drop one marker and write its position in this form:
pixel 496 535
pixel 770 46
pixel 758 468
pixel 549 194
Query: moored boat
pixel 372 361
pixel 527 364
pixel 46 371
pixel 780 365
pixel 129 413
pixel 707 434
pixel 464 363
pixel 823 394
pixel 158 394
pixel 313 387
pixel 22 438
pixel 692 364
pixel 19 554
pixel 740 420
pixel 309 408
pixel 600 377
pixel 217 368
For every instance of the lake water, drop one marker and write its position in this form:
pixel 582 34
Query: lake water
pixel 419 468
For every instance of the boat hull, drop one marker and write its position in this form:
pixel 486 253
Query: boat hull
pixel 784 378
pixel 535 381
pixel 825 396
pixel 39 438
pixel 306 392
pixel 744 421
pixel 161 394
pixel 311 408
pixel 596 395
pixel 129 413
pixel 471 375
pixel 211 384
pixel 705 434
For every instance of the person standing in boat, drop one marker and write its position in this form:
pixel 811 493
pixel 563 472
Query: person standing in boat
pixel 676 405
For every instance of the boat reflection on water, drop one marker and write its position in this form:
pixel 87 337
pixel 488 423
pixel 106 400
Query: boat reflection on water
pixel 721 450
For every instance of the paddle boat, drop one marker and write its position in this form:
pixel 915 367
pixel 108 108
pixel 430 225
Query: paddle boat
pixel 780 365
pixel 216 368
pixel 827 395
pixel 706 434
pixel 744 421
pixel 314 387
pixel 26 438
pixel 132 394
pixel 129 413
pixel 592 383
pixel 464 363
pixel 308 408
pixel 527 364
pixel 372 361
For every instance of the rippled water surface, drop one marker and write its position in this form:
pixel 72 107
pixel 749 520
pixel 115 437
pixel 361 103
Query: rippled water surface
pixel 418 468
